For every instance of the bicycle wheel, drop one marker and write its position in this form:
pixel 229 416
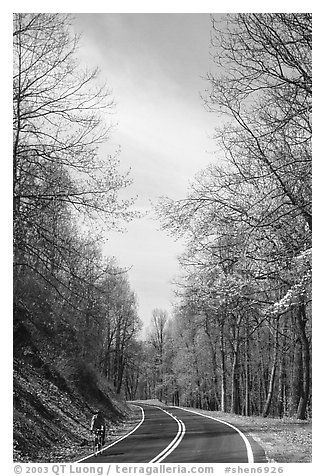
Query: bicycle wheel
pixel 95 446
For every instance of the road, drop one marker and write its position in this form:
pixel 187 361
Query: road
pixel 175 435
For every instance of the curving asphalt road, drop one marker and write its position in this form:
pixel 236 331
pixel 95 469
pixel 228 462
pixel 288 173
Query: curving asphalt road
pixel 175 435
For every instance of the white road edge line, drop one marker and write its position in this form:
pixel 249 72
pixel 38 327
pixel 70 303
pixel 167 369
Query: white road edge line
pixel 120 439
pixel 174 443
pixel 249 450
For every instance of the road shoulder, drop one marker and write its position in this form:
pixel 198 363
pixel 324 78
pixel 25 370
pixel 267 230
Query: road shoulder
pixel 286 440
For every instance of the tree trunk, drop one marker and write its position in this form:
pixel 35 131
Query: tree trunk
pixel 281 390
pixel 234 370
pixel 234 382
pixel 212 345
pixel 223 374
pixel 267 405
pixel 247 373
pixel 301 321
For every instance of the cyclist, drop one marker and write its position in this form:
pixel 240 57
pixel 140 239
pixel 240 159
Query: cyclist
pixel 98 423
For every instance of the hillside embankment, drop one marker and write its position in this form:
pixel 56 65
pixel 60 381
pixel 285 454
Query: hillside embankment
pixel 54 399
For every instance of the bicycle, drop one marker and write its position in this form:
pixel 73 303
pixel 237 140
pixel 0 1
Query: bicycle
pixel 98 441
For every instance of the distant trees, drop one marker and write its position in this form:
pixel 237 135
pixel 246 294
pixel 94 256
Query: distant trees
pixel 247 222
pixel 157 339
pixel 153 368
pixel 63 187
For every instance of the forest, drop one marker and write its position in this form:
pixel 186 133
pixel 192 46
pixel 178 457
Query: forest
pixel 239 339
pixel 65 196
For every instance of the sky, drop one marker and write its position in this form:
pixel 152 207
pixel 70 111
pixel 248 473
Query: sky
pixel 155 65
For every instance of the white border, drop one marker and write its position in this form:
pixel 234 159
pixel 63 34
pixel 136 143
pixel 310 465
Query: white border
pixel 167 6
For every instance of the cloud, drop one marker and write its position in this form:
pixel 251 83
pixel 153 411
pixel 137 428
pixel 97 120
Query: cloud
pixel 154 64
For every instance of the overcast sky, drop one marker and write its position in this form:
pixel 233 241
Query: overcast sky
pixel 155 65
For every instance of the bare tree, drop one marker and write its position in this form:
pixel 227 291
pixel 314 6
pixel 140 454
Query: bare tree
pixel 247 217
pixel 60 117
pixel 263 86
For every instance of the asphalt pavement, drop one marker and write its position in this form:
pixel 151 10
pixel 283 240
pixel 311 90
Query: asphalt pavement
pixel 173 435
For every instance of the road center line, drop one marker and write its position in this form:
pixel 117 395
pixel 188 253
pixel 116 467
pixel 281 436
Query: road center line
pixel 174 443
pixel 249 450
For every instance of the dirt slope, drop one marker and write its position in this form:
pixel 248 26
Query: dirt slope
pixel 52 409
